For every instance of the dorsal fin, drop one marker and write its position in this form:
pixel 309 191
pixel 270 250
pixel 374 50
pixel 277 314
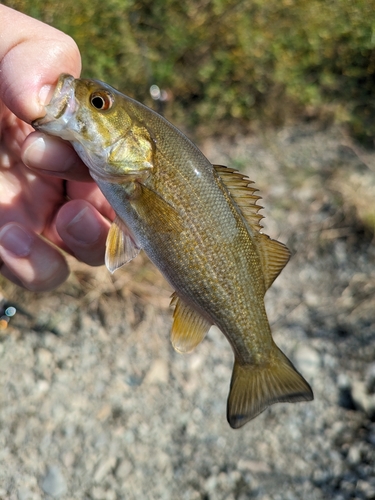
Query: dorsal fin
pixel 273 254
pixel 189 327
pixel 243 194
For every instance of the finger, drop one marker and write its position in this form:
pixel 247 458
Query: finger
pixel 90 192
pixel 32 56
pixel 29 260
pixel 83 230
pixel 53 156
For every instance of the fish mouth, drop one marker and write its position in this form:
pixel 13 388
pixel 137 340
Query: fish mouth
pixel 61 108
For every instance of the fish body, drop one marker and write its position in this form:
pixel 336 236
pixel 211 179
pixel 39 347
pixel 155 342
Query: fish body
pixel 197 222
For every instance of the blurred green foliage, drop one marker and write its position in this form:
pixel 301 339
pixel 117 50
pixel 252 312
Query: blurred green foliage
pixel 230 61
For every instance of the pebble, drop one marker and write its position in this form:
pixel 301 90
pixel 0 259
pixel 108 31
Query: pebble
pixel 253 466
pixel 321 477
pixel 307 360
pixel 347 487
pixel 22 494
pixel 124 469
pixel 98 493
pixel 362 399
pixel 367 488
pixel 210 484
pixel 54 483
pixel 158 373
pixel 103 469
pixel 354 455
pixel 44 357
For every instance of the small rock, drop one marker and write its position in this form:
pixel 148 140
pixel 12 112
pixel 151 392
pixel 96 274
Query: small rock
pixel 311 298
pixel 347 487
pixel 42 386
pixel 367 488
pixel 307 360
pixel 104 412
pixel 104 468
pixel 124 469
pixel 98 493
pixel 68 459
pixel 321 477
pixel 44 357
pixel 158 373
pixel 362 399
pixel 354 455
pixel 210 484
pixel 22 494
pixel 253 466
pixel 54 483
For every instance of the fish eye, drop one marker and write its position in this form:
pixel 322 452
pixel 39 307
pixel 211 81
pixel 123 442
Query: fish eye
pixel 101 101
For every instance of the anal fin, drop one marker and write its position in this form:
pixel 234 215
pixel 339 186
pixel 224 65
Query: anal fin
pixel 189 327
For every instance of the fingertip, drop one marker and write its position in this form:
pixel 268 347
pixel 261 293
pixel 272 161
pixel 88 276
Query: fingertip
pixel 31 59
pixel 53 156
pixel 84 230
pixel 29 260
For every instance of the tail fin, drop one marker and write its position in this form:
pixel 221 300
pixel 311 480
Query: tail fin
pixel 253 388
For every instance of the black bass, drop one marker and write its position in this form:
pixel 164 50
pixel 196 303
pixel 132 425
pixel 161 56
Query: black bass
pixel 197 222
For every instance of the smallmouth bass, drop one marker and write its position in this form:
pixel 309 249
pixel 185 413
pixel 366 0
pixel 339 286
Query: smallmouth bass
pixel 197 222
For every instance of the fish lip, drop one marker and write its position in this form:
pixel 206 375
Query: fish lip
pixel 61 107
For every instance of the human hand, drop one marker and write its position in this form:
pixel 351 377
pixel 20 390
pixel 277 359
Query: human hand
pixel 43 202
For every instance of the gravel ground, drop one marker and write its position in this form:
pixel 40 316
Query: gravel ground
pixel 95 404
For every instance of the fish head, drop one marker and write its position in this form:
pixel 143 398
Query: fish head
pixel 99 123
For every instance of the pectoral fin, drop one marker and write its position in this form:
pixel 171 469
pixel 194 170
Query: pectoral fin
pixel 121 246
pixel 160 215
pixel 189 327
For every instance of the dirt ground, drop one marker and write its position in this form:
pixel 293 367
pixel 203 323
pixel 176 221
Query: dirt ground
pixel 95 403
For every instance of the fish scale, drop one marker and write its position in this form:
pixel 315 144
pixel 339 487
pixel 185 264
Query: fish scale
pixel 197 222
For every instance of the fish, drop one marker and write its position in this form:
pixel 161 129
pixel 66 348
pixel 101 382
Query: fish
pixel 197 222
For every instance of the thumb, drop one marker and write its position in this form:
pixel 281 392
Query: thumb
pixel 32 56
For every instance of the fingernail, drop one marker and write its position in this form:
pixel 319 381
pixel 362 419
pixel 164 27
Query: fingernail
pixel 16 240
pixel 34 154
pixel 45 94
pixel 84 228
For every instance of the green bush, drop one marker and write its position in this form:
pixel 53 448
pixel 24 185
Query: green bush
pixel 230 61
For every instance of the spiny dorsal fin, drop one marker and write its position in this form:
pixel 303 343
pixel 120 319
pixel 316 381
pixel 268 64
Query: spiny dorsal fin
pixel 243 194
pixel 273 257
pixel 189 327
pixel 120 246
